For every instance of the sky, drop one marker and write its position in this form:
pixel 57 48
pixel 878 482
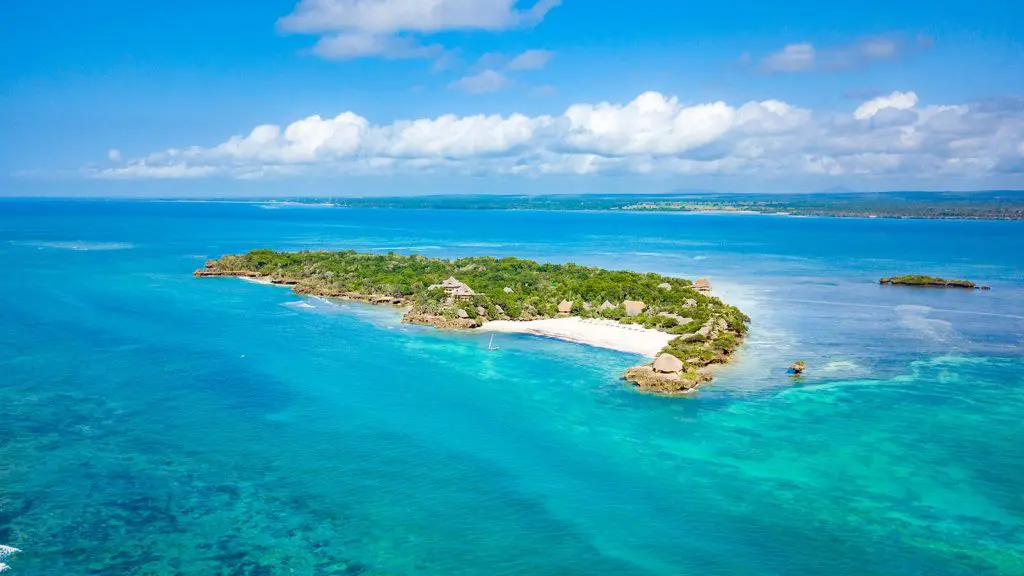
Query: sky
pixel 393 97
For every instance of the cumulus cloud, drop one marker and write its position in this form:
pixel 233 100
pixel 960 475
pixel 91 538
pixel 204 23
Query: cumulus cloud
pixel 896 100
pixel 805 57
pixel 390 28
pixel 652 134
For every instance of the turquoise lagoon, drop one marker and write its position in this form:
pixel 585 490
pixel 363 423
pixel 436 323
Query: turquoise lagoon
pixel 152 423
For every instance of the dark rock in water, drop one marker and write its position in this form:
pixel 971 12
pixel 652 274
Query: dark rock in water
pixel 984 287
pixel 797 368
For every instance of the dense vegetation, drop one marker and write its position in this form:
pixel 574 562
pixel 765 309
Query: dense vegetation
pixel 919 280
pixel 507 288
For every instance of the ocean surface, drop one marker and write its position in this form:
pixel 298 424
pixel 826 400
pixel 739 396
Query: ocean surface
pixel 153 423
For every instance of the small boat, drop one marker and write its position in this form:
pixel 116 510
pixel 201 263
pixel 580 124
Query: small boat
pixel 490 345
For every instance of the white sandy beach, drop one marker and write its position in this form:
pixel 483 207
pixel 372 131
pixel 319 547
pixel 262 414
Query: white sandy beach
pixel 601 333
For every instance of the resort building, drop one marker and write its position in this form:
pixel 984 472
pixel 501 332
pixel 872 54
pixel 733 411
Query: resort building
pixel 634 307
pixel 455 289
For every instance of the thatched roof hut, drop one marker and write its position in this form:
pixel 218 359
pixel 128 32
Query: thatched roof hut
pixel 507 290
pixel 633 307
pixel 451 282
pixel 565 306
pixel 702 285
pixel 481 311
pixel 461 313
pixel 667 363
pixel 462 291
pixel 606 306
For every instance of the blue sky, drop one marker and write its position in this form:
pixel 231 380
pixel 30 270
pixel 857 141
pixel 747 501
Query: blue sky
pixel 362 97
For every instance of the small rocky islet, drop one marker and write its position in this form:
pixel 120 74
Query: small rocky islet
pixel 465 293
pixel 929 282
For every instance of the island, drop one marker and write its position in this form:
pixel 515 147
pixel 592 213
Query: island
pixel 691 330
pixel 928 281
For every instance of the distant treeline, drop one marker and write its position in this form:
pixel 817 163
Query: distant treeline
pixel 988 205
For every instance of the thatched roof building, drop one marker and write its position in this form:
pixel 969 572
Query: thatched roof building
pixel 667 363
pixel 606 306
pixel 565 306
pixel 462 292
pixel 633 307
pixel 702 285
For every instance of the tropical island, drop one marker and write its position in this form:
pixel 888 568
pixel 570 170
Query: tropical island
pixel 929 281
pixel 690 329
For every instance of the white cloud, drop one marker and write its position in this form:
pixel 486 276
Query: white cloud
pixel 531 60
pixel 347 46
pixel 650 124
pixel 792 58
pixel 114 155
pixel 805 57
pixel 897 100
pixel 390 16
pixel 388 28
pixel 481 82
pixel 140 170
pixel 652 134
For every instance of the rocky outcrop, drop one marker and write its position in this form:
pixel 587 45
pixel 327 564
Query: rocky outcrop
pixel 440 321
pixel 647 379
pixel 797 368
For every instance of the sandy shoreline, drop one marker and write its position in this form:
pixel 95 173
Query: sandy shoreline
pixel 630 338
pixel 600 333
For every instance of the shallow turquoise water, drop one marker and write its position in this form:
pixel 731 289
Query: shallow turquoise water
pixel 152 423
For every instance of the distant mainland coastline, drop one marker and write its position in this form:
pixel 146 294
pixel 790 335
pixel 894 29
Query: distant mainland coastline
pixel 980 205
pixel 674 320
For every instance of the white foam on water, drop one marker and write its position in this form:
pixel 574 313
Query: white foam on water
pixel 840 366
pixel 77 246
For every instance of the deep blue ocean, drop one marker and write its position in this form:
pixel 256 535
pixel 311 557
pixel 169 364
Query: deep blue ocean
pixel 154 423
